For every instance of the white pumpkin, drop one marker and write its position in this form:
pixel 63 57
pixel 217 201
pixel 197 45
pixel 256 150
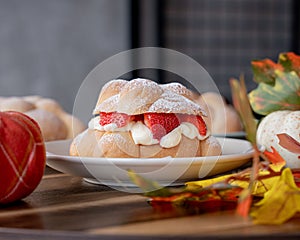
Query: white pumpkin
pixel 280 122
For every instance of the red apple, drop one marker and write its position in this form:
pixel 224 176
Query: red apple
pixel 22 156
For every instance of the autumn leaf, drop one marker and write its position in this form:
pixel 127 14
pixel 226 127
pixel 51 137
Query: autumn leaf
pixel 284 95
pixel 229 192
pixel 296 174
pixel 242 105
pixel 150 188
pixel 277 162
pixel 264 70
pixel 290 62
pixel 289 143
pixel 219 196
pixel 280 203
pixel 245 202
pixel 214 197
pixel 278 84
pixel 194 185
pixel 265 180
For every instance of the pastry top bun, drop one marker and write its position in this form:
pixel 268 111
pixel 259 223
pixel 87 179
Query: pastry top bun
pixel 140 96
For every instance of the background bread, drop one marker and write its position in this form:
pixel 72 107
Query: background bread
pixel 51 126
pixel 221 118
pixel 55 123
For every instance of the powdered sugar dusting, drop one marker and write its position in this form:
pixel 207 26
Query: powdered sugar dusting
pixel 212 141
pixel 142 95
pixel 116 84
pixel 112 138
pixel 170 102
pixel 109 105
pixel 138 95
pixel 177 88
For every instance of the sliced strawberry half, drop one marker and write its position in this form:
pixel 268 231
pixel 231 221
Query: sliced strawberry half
pixel 161 124
pixel 197 121
pixel 120 119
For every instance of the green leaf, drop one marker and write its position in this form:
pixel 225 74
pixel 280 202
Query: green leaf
pixel 284 95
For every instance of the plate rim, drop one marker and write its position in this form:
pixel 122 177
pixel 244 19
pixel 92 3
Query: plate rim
pixel 237 134
pixel 150 161
pixel 75 166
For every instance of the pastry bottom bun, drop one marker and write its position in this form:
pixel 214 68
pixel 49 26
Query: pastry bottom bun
pixel 94 143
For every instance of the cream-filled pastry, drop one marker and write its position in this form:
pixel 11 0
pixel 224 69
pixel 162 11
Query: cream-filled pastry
pixel 141 118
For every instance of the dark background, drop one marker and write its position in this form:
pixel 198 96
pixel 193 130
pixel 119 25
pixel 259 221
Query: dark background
pixel 222 35
pixel 47 47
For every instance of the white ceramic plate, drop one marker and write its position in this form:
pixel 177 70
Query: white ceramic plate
pixel 166 171
pixel 240 134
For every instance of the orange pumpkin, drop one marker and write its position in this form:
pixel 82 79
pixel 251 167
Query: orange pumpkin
pixel 22 156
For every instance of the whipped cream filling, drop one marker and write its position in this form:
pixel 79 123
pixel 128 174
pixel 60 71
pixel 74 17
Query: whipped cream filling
pixel 112 127
pixel 171 139
pixel 141 134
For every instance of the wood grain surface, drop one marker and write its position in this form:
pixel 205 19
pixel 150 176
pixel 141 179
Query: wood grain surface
pixel 67 207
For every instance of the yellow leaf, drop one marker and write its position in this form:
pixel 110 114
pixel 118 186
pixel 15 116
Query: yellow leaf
pixel 280 203
pixel 263 185
pixel 193 185
pixel 260 186
pixel 277 167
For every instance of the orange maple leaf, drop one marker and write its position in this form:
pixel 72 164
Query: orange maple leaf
pixel 274 157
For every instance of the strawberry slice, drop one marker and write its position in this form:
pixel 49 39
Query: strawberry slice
pixel 161 124
pixel 136 118
pixel 120 119
pixel 197 121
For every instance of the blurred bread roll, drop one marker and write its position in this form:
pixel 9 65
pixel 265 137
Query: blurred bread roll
pixel 222 117
pixel 55 123
pixel 51 125
pixel 15 104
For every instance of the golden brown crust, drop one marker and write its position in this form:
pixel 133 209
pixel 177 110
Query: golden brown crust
pixel 85 144
pixel 110 89
pixel 118 144
pixel 210 147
